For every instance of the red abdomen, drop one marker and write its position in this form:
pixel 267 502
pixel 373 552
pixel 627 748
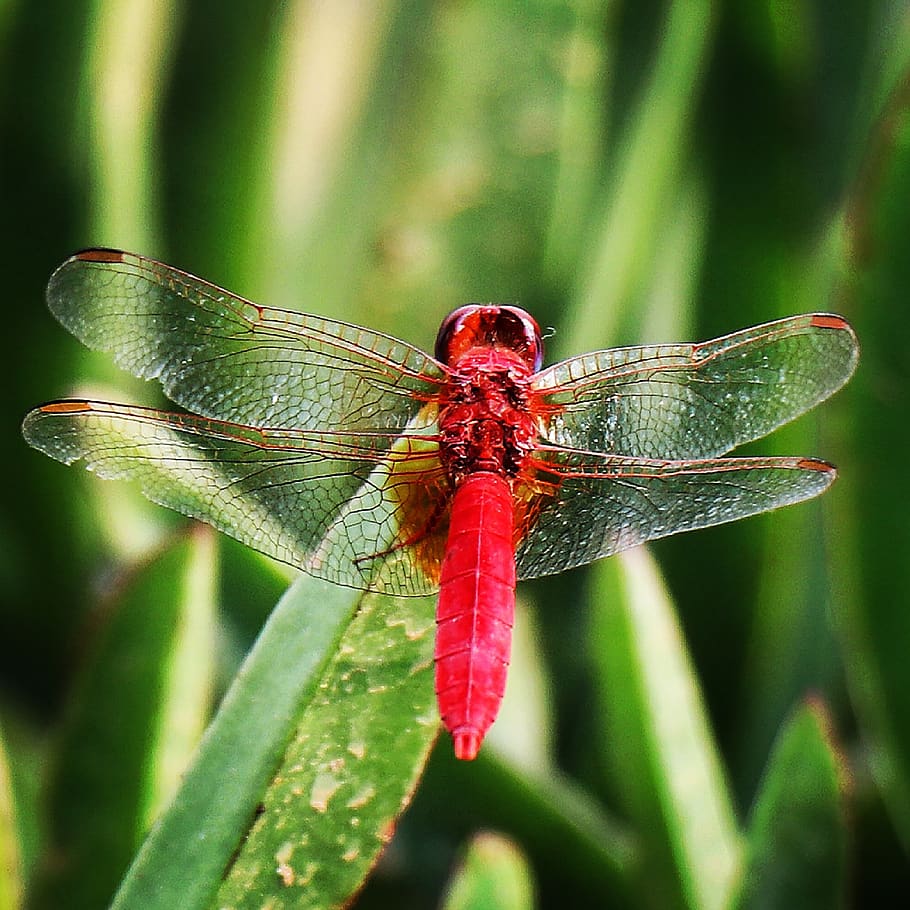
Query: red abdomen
pixel 476 609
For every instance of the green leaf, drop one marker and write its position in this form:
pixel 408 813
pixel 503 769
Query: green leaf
pixel 185 688
pixel 657 739
pixel 557 822
pixel 124 69
pixel 869 535
pixel 649 163
pixel 797 838
pixel 494 876
pixel 352 691
pixel 471 162
pixel 581 136
pixel 133 723
pixel 10 851
pixel 360 745
pixel 183 859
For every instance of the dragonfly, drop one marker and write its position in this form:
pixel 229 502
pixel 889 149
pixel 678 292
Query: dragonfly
pixel 360 459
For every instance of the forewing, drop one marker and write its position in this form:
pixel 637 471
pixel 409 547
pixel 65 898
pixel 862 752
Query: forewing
pixel 685 401
pixel 223 357
pixel 327 503
pixel 588 506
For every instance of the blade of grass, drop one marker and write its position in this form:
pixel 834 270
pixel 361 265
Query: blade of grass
pixel 790 628
pixel 113 757
pixel 581 139
pixel 129 52
pixel 493 876
pixel 869 536
pixel 649 158
pixel 186 677
pixel 559 825
pixel 11 875
pixel 473 158
pixel 182 861
pixel 667 310
pixel 360 744
pixel 797 837
pixel 320 145
pixel 657 737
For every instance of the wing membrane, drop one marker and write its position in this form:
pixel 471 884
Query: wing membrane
pixel 327 503
pixel 604 504
pixel 685 401
pixel 223 357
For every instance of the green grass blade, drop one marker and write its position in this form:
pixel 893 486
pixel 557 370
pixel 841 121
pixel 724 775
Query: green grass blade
pixel 114 762
pixel 791 631
pixel 494 876
pixel 869 534
pixel 317 150
pixel 649 164
pixel 186 681
pixel 797 839
pixel 471 162
pixel 581 137
pixel 181 863
pixel 556 821
pixel 11 873
pixel 360 744
pixel 656 735
pixel 129 49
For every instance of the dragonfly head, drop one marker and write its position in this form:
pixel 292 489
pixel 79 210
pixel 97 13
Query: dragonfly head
pixel 479 326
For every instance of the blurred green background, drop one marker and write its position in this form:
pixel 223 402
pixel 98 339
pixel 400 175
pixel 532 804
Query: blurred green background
pixel 649 171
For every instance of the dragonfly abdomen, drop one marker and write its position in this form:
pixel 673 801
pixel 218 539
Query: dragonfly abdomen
pixel 476 610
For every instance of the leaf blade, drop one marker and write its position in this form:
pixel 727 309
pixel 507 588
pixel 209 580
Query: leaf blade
pixel 112 750
pixel 178 865
pixel 350 769
pixel 658 736
pixel 495 875
pixel 797 838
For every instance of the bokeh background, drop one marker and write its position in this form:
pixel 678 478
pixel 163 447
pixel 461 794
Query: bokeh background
pixel 649 171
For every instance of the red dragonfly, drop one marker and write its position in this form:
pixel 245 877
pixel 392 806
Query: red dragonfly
pixel 362 460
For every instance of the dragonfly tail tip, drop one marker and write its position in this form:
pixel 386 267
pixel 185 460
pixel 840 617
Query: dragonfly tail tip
pixel 467 743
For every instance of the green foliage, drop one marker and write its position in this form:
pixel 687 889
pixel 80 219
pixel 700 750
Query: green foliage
pixel 796 838
pixel 630 172
pixel 11 871
pixel 301 823
pixel 494 876
pixel 656 736
pixel 134 719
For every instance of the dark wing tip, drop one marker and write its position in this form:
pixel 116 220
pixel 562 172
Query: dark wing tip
pixel 99 254
pixel 67 406
pixel 831 321
pixel 815 464
pixel 59 286
pixel 64 406
pixel 824 468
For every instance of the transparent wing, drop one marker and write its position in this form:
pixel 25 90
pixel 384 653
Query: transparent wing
pixel 687 401
pixel 223 357
pixel 586 506
pixel 335 505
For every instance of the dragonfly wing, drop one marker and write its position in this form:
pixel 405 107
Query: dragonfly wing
pixel 326 503
pixel 226 358
pixel 687 401
pixel 586 506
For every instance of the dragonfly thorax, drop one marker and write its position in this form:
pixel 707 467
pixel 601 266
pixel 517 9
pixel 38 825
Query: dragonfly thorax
pixel 484 421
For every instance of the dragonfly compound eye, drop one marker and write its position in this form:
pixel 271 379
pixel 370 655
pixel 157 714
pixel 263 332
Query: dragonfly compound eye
pixel 478 326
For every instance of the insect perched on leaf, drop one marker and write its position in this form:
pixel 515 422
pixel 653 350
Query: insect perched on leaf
pixel 362 460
